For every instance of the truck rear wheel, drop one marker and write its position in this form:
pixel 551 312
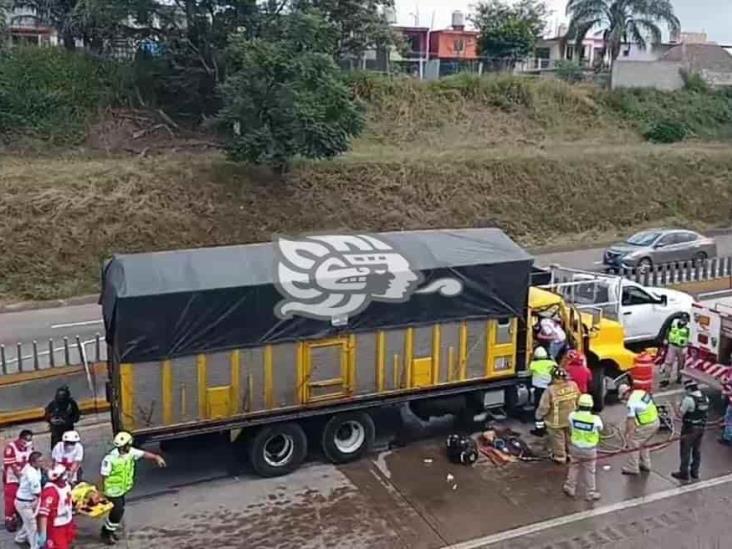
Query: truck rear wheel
pixel 278 449
pixel 347 437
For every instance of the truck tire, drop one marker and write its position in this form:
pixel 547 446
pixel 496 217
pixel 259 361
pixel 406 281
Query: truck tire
pixel 347 437
pixel 278 449
pixel 597 387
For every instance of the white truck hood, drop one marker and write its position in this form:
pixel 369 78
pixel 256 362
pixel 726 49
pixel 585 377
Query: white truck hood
pixel 678 301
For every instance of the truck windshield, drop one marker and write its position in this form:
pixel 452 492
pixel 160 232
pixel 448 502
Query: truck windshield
pixel 644 238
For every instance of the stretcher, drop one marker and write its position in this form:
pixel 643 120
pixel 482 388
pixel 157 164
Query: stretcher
pixel 89 501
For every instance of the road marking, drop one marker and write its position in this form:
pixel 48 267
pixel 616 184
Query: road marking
pixel 72 324
pixel 591 513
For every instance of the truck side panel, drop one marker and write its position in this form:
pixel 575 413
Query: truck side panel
pixel 304 374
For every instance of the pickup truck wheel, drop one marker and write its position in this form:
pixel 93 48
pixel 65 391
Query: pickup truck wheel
pixel 278 449
pixel 347 437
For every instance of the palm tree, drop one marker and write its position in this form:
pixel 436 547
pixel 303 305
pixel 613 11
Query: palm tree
pixel 621 21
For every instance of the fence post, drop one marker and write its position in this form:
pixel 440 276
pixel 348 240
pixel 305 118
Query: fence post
pixel 79 347
pixel 51 358
pixel 19 354
pixel 98 348
pixel 35 355
pixel 3 362
pixel 67 353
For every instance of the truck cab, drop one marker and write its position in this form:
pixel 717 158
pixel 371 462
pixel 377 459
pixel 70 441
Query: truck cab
pixel 600 339
pixel 645 313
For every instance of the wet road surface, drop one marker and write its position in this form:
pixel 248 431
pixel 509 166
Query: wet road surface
pixel 402 497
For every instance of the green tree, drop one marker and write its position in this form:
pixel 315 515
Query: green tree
pixel 360 24
pixel 5 6
pixel 508 32
pixel 621 21
pixel 285 96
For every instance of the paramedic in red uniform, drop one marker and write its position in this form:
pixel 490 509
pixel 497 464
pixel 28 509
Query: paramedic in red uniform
pixel 577 370
pixel 15 457
pixel 55 518
pixel 69 453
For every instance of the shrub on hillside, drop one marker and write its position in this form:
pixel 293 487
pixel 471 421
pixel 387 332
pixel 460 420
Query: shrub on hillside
pixel 666 131
pixel 51 93
pixel 569 71
pixel 703 114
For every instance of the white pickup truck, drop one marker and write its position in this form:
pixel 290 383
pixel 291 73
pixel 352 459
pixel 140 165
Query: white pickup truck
pixel 645 313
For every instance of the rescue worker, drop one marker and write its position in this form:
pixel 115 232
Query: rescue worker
pixel 677 340
pixel 693 410
pixel 69 453
pixel 641 424
pixel 584 429
pixel 118 471
pixel 557 402
pixel 56 528
pixel 61 413
pixel 541 376
pixel 726 437
pixel 26 500
pixel 577 370
pixel 15 456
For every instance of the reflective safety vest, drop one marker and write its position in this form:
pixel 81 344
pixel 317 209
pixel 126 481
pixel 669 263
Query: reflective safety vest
pixel 122 474
pixel 679 335
pixel 585 432
pixel 697 417
pixel 541 372
pixel 650 413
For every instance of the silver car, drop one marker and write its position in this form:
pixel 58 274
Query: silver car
pixel 652 247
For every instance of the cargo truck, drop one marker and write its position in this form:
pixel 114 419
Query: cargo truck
pixel 313 334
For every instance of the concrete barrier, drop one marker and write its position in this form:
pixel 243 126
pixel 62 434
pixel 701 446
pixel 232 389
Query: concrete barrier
pixel 24 396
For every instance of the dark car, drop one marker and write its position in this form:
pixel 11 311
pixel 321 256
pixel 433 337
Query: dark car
pixel 652 247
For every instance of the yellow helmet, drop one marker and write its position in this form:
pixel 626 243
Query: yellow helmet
pixel 586 401
pixel 121 439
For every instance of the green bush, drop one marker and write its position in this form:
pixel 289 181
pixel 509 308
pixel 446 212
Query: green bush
pixel 52 94
pixel 693 82
pixel 569 71
pixel 666 131
pixel 703 114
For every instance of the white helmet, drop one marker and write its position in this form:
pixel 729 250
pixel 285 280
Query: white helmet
pixel 623 390
pixel 123 438
pixel 540 353
pixel 56 472
pixel 71 436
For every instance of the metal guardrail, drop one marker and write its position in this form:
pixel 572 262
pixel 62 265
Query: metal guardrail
pixel 679 273
pixel 17 359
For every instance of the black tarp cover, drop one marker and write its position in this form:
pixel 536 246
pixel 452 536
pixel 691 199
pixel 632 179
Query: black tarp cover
pixel 165 304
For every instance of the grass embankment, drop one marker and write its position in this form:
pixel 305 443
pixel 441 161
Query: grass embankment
pixel 60 218
pixel 543 160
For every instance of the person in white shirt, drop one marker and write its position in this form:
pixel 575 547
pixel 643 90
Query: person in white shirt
pixel 552 333
pixel 26 500
pixel 69 453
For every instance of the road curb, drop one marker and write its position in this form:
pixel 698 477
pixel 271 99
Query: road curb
pixel 52 304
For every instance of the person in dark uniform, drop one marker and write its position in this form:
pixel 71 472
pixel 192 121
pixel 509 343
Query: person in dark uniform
pixel 694 410
pixel 61 414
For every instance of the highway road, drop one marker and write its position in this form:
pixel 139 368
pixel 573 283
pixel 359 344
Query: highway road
pixel 85 320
